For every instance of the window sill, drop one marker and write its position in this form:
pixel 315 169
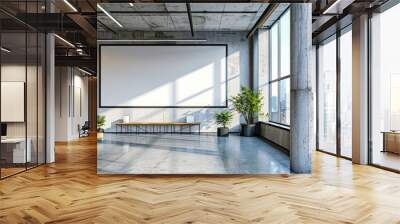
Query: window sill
pixel 287 128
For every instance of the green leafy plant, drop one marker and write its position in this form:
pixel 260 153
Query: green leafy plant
pixel 248 103
pixel 101 121
pixel 224 118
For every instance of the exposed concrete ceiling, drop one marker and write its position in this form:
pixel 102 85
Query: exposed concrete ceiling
pixel 174 16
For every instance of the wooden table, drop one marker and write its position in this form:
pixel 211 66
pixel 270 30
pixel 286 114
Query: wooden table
pixel 391 141
pixel 156 127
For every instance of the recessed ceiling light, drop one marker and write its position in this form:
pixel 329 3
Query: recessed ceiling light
pixel 5 50
pixel 70 5
pixel 64 40
pixel 109 15
pixel 131 4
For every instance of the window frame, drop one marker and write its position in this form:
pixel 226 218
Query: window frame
pixel 280 77
pixel 334 37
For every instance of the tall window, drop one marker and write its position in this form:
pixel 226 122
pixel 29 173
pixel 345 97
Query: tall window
pixel 346 74
pixel 335 94
pixel 279 78
pixel 327 95
pixel 385 88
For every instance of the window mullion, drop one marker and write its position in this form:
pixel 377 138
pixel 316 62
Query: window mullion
pixel 279 71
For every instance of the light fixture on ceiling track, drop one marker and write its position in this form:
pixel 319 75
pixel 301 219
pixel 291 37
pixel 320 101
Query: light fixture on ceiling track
pixel 64 40
pixel 70 5
pixel 157 40
pixel 84 71
pixel 131 4
pixel 5 50
pixel 109 15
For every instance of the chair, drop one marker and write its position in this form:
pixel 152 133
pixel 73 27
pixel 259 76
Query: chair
pixel 84 130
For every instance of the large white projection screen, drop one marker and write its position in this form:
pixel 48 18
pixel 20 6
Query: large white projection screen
pixel 163 76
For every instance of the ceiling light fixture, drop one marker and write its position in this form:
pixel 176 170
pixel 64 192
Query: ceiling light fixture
pixel 131 4
pixel 5 50
pixel 70 5
pixel 109 15
pixel 64 40
pixel 84 71
pixel 155 40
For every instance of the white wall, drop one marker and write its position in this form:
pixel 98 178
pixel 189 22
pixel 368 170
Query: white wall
pixel 70 83
pixel 238 74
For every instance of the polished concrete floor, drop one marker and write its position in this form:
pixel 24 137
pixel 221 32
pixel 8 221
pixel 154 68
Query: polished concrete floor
pixel 188 154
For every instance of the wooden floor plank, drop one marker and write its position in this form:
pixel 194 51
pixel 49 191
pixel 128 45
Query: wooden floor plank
pixel 70 191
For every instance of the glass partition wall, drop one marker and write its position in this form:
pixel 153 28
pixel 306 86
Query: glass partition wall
pixel 334 94
pixel 22 77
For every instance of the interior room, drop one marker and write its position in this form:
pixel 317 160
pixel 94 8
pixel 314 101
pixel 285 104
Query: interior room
pixel 171 111
pixel 157 121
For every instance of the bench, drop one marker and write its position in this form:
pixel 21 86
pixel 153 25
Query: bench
pixel 156 127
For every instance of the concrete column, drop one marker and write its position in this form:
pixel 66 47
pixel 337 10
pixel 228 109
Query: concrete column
pixel 360 90
pixel 50 92
pixel 301 97
pixel 50 98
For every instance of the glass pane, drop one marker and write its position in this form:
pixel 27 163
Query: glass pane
pixel 284 101
pixel 274 52
pixel 273 112
pixel 31 100
pixel 346 94
pixel 327 97
pixel 13 87
pixel 41 98
pixel 285 44
pixel 386 89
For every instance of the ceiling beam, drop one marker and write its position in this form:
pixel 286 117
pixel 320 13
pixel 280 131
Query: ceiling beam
pixel 181 12
pixel 260 22
pixel 206 1
pixel 189 11
pixel 84 24
pixel 81 61
pixel 105 26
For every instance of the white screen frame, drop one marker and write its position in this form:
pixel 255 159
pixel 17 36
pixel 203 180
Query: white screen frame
pixel 101 105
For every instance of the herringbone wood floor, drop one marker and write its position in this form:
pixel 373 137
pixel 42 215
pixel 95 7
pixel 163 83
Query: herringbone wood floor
pixel 69 191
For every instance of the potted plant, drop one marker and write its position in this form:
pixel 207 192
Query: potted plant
pixel 223 118
pixel 248 103
pixel 101 121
